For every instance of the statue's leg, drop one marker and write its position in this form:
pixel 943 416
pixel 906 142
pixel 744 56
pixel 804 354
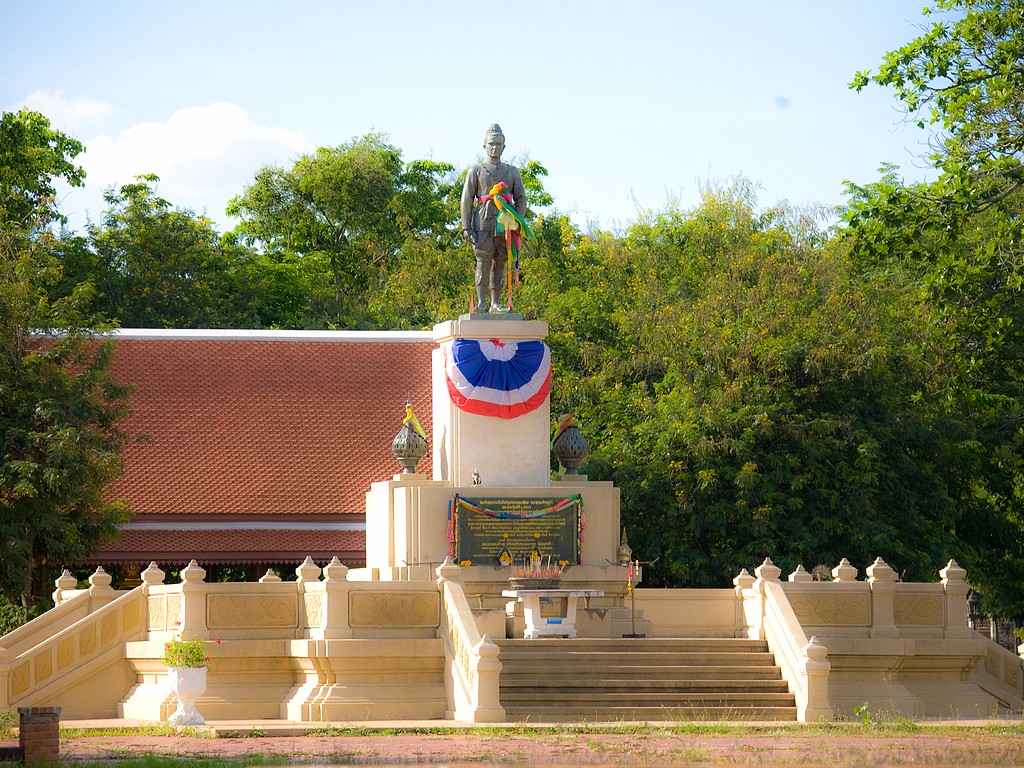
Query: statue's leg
pixel 484 258
pixel 498 303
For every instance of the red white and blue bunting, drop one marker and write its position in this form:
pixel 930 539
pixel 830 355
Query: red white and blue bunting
pixel 490 378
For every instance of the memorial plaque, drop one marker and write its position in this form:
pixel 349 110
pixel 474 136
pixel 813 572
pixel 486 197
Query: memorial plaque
pixel 503 531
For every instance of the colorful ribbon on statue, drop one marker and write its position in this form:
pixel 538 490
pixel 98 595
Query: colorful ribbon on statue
pixel 513 225
pixel 490 378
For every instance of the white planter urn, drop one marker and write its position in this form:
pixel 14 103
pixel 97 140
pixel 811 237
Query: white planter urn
pixel 187 684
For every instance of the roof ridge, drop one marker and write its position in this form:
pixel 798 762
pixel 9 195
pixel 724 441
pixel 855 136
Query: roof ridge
pixel 251 334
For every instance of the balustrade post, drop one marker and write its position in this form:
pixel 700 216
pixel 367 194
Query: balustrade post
pixel 336 592
pixel 765 572
pixel 311 601
pixel 65 583
pixel 815 671
pixel 882 579
pixel 800 575
pixel 485 667
pixel 100 591
pixel 954 581
pixel 747 621
pixel 151 577
pixel 193 602
pixel 844 572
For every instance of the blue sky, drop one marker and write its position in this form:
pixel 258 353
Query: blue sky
pixel 628 105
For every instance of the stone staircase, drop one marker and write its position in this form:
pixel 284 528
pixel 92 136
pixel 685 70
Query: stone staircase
pixel 639 679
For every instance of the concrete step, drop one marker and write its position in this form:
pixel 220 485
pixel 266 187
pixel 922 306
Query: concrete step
pixel 625 658
pixel 523 670
pixel 555 679
pixel 635 644
pixel 673 685
pixel 567 700
pixel 651 714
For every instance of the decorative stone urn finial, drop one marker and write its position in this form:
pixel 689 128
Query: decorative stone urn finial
pixel 569 445
pixel 625 551
pixel 410 444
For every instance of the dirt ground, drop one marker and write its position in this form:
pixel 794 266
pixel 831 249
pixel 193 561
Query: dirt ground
pixel 965 746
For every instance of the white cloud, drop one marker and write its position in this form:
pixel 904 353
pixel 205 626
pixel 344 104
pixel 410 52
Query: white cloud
pixel 204 156
pixel 72 115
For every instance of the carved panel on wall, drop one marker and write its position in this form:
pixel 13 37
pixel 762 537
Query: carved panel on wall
pixel 840 610
pixel 918 610
pixel 173 611
pixel 42 665
pixel 992 663
pixel 232 611
pixel 65 653
pixel 156 613
pixel 314 610
pixel 87 640
pixel 131 615
pixel 394 609
pixel 1011 673
pixel 21 678
pixel 108 629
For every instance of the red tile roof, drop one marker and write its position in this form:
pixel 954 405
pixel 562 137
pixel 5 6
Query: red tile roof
pixel 266 426
pixel 178 547
pixel 257 428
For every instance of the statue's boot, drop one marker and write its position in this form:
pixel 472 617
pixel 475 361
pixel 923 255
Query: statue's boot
pixel 496 303
pixel 481 299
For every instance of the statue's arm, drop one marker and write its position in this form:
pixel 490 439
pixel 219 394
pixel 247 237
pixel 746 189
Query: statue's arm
pixel 518 191
pixel 466 206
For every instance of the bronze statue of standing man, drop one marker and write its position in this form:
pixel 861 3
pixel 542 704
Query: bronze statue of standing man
pixel 493 206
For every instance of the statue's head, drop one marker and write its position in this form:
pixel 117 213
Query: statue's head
pixel 494 141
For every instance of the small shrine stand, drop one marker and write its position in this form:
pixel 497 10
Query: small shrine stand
pixel 558 604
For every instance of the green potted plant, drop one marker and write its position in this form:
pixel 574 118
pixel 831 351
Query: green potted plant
pixel 186 670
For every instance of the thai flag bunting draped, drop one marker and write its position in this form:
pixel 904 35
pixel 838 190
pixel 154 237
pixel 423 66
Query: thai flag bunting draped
pixel 494 379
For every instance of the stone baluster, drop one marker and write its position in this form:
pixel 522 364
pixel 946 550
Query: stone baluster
pixel 743 583
pixel 100 591
pixel 193 602
pixel 882 579
pixel 815 671
pixel 65 584
pixel 767 571
pixel 336 592
pixel 800 575
pixel 448 570
pixel 954 582
pixel 844 572
pixel 307 583
pixel 485 662
pixel 152 576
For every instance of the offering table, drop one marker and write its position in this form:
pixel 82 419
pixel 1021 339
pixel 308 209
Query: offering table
pixel 550 612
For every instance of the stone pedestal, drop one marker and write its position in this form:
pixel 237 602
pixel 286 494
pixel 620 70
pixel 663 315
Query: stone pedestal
pixel 505 452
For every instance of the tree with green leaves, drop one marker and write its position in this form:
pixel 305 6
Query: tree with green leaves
pixel 959 240
pixel 750 392
pixel 158 266
pixel 351 207
pixel 59 409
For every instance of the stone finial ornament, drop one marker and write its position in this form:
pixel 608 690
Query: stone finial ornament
pixel 844 571
pixel 569 445
pixel 625 553
pixel 800 575
pixel 410 444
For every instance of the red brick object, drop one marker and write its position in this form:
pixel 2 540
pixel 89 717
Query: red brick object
pixel 39 734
